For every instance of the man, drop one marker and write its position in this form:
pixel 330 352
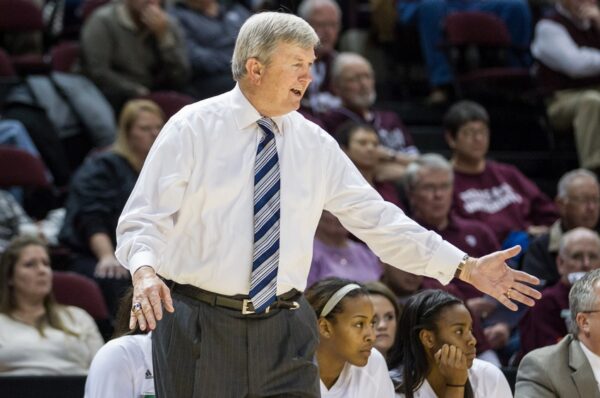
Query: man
pixel 578 202
pixel 571 368
pixel 495 193
pixel 210 30
pixel 130 48
pixel 234 256
pixel 566 45
pixel 325 17
pixel 545 324
pixel 354 82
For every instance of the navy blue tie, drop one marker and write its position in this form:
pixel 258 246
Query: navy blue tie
pixel 263 282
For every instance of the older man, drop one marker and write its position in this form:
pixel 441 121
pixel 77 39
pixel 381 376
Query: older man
pixel 325 16
pixel 354 82
pixel 570 368
pixel 132 47
pixel 566 45
pixel 225 211
pixel 578 202
pixel 545 324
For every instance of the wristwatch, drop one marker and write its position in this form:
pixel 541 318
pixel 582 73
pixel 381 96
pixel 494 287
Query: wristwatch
pixel 461 266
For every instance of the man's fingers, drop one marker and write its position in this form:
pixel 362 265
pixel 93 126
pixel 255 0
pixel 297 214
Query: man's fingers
pixel 506 302
pixel 156 305
pixel 526 291
pixel 166 298
pixel 511 252
pixel 132 321
pixel 148 313
pixel 524 277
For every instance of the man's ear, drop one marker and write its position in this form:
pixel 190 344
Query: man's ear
pixel 325 328
pixel 583 323
pixel 254 70
pixel 427 338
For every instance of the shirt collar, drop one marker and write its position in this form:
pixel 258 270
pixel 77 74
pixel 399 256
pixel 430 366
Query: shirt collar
pixel 246 115
pixel 124 17
pixel 593 359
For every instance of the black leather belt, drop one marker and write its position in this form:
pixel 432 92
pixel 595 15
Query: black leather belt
pixel 238 303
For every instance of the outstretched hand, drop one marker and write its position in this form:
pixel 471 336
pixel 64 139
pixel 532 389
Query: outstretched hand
pixel 493 276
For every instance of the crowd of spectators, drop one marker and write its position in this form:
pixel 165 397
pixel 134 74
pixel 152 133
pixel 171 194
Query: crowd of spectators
pixel 131 50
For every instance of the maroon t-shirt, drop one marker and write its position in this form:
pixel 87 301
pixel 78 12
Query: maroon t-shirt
pixel 544 324
pixel 502 198
pixel 471 236
pixel 392 132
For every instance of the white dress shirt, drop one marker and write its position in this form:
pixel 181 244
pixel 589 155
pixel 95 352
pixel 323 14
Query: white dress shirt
pixel 553 46
pixel 594 360
pixel 190 215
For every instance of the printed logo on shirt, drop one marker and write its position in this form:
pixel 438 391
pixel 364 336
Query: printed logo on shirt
pixel 392 139
pixel 471 240
pixel 149 374
pixel 489 200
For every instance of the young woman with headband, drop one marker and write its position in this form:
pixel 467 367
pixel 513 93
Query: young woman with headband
pixel 349 366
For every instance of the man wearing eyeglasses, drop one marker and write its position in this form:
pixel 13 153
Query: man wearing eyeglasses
pixel 578 202
pixel 546 323
pixel 570 368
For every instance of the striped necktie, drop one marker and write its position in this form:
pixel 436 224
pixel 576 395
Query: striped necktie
pixel 263 282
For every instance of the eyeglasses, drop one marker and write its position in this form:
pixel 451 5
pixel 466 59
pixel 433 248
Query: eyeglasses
pixel 432 188
pixel 584 200
pixel 580 257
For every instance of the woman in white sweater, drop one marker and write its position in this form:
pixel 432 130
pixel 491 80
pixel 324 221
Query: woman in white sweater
pixel 37 335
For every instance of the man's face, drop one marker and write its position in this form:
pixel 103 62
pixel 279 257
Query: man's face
pixel 581 206
pixel 325 20
pixel 283 80
pixel 471 142
pixel 431 197
pixel 356 85
pixel 580 255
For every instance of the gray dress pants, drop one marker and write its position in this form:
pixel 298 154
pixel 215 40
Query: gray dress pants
pixel 204 351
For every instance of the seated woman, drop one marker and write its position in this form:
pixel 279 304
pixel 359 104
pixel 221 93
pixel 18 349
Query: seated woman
pixel 387 313
pixel 349 366
pixel 123 367
pixel 37 335
pixel 98 194
pixel 435 352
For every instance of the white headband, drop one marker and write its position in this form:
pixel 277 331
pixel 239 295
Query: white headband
pixel 337 297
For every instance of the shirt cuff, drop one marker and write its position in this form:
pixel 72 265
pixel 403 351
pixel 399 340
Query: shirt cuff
pixel 141 259
pixel 444 262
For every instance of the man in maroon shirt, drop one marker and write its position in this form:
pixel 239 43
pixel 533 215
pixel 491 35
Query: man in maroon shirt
pixel 354 82
pixel 544 324
pixel 495 193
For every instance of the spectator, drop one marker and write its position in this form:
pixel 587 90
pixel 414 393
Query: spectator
pixel 122 368
pixel 132 47
pixel 325 16
pixel 495 193
pixel 37 335
pixel 578 201
pixel 354 82
pixel 566 45
pixel 210 29
pixel 349 366
pixel 569 368
pixel 361 142
pixel 387 313
pixel 546 323
pixel 434 355
pixel 334 254
pixel 98 194
pixel 429 16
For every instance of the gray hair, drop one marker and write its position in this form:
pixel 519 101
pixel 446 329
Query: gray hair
pixel 567 179
pixel 307 7
pixel 344 59
pixel 426 161
pixel 574 235
pixel 261 33
pixel 582 297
